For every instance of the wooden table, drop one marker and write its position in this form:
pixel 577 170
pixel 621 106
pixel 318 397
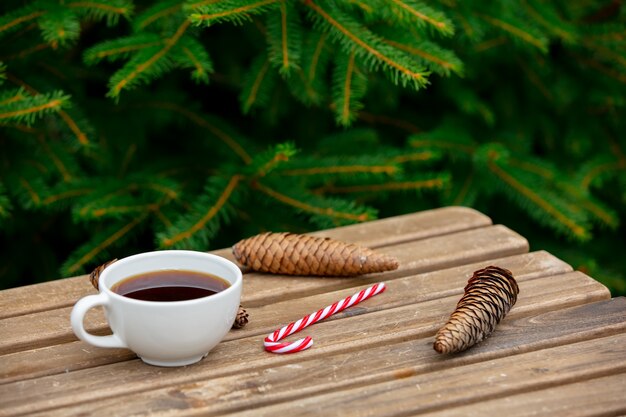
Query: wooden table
pixel 560 351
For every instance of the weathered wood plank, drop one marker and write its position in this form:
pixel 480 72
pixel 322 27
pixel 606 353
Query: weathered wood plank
pixel 596 397
pixel 407 375
pixel 402 291
pixel 351 334
pixel 384 232
pixel 51 327
pixel 449 387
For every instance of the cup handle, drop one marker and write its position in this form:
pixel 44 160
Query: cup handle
pixel 78 314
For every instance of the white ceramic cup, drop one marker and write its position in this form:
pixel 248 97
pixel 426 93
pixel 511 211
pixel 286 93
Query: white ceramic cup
pixel 163 333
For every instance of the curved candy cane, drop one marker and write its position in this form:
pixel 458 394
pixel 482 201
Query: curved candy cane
pixel 272 344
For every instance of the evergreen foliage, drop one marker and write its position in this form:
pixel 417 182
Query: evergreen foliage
pixel 129 125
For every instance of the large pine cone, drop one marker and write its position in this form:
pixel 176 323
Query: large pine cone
pixel 293 254
pixel 489 295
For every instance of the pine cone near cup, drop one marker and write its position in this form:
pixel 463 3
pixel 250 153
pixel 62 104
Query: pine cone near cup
pixel 489 295
pixel 240 321
pixel 294 254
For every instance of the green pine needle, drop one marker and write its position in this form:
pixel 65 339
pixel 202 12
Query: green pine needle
pixel 284 35
pixel 230 11
pixel 20 107
pixel 349 87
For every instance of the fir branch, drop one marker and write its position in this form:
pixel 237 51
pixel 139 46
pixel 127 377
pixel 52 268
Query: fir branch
pixel 265 162
pixel 69 121
pixel 99 243
pixel 28 51
pixel 232 11
pixel 137 69
pixel 447 141
pixel 518 31
pixel 598 169
pixel 111 10
pixel 56 197
pixel 56 160
pixel 217 128
pixel 560 214
pixel 204 218
pixel 190 53
pixel 369 47
pixel 414 185
pixel 431 55
pixel 120 48
pixel 284 35
pixel 412 13
pixel 404 157
pixel 29 109
pixel 342 169
pixel 258 85
pixel 321 210
pixel 59 27
pixel 465 194
pixel 350 85
pixel 310 85
pixel 158 10
pixel 546 16
pixel 11 21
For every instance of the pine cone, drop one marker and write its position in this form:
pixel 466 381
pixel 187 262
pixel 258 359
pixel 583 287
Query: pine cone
pixel 242 318
pixel 293 254
pixel 489 295
pixel 95 274
pixel 240 321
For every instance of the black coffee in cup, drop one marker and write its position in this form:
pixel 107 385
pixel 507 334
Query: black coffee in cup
pixel 170 285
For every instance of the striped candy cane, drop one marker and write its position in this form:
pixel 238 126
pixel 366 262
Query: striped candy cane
pixel 272 344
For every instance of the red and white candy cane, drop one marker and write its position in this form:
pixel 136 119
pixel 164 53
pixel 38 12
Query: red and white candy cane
pixel 272 343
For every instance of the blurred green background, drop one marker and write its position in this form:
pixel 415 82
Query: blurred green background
pixel 128 126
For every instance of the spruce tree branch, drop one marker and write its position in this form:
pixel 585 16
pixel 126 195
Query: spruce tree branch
pixel 323 211
pixel 199 17
pixel 163 13
pixel 168 44
pixel 124 49
pixel 82 137
pixel 106 243
pixel 345 169
pixel 94 5
pixel 361 43
pixel 536 80
pixel 28 51
pixel 600 169
pixel 202 3
pixel 66 194
pixel 200 121
pixel 319 47
pixel 192 58
pixel 258 80
pixel 530 167
pixel 491 43
pixel 388 186
pixel 53 104
pixel 537 199
pixel 18 97
pixel 283 23
pixel 438 24
pixel 345 110
pixel 55 160
pixel 515 31
pixel 413 157
pixel 213 210
pixel 21 19
pixel 545 23
pixel 413 50
pixel 31 191
pixel 598 66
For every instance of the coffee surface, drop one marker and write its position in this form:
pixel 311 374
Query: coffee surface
pixel 170 285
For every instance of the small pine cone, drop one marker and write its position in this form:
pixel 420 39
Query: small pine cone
pixel 489 295
pixel 242 318
pixel 95 274
pixel 240 321
pixel 293 254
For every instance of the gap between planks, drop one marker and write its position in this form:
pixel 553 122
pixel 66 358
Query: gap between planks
pixel 374 234
pixel 370 376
